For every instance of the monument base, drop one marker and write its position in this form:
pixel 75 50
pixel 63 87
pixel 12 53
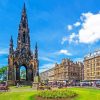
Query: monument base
pixel 35 86
pixel 37 79
pixel 10 82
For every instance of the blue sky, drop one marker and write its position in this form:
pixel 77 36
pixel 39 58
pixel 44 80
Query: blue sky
pixel 62 28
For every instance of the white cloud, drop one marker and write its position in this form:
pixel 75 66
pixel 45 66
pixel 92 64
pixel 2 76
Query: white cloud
pixel 46 67
pixel 79 59
pixel 89 31
pixel 73 38
pixel 3 51
pixel 46 59
pixel 77 24
pixel 63 40
pixel 65 52
pixel 69 27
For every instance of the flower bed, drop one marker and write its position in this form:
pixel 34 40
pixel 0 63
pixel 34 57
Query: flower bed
pixel 59 94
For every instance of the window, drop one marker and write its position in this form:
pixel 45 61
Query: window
pixel 24 38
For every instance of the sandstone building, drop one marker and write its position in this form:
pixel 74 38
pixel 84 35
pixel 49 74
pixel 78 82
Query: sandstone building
pixel 92 66
pixel 67 70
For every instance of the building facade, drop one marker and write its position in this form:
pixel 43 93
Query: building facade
pixel 67 70
pixel 92 66
pixel 23 55
pixel 47 75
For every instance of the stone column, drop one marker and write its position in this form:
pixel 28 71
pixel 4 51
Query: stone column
pixel 17 74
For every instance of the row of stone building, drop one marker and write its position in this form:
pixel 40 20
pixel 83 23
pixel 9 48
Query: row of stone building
pixel 65 71
pixel 68 70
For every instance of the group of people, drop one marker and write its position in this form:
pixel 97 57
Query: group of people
pixel 67 84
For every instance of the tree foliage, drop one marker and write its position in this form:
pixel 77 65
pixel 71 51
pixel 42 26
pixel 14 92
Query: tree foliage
pixel 3 73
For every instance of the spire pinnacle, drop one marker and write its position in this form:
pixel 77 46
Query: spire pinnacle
pixel 36 46
pixel 11 46
pixel 11 41
pixel 24 8
pixel 36 52
pixel 24 20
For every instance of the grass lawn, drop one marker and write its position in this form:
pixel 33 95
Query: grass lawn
pixel 26 93
pixel 86 93
pixel 22 93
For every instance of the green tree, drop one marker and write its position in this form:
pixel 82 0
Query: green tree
pixel 23 74
pixel 3 73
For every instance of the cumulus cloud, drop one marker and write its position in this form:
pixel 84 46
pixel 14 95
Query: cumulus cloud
pixel 73 38
pixel 69 27
pixel 77 24
pixel 89 31
pixel 63 40
pixel 64 52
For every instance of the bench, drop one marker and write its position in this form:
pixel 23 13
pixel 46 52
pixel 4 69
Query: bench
pixel 4 87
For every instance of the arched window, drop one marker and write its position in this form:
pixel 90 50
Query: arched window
pixel 24 38
pixel 22 73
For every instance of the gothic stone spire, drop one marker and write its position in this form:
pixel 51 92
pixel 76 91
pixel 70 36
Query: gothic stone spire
pixel 36 59
pixel 11 46
pixel 24 20
pixel 23 35
pixel 36 52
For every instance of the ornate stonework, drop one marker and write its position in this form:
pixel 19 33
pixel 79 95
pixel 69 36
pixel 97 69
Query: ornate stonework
pixel 22 56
